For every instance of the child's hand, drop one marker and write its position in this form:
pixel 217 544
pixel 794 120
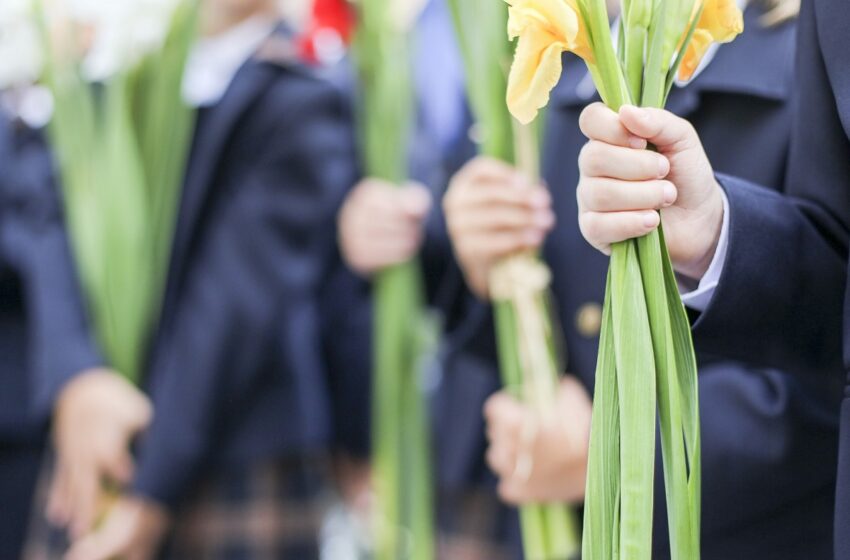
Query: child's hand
pixel 556 450
pixel 96 418
pixel 493 211
pixel 622 184
pixel 381 225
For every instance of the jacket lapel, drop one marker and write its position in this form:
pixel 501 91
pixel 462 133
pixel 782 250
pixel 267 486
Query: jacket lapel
pixel 215 128
pixel 213 131
pixel 833 20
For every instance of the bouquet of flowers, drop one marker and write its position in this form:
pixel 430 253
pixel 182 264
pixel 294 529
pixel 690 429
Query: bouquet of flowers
pixel 405 336
pixel 120 132
pixel 527 340
pixel 646 364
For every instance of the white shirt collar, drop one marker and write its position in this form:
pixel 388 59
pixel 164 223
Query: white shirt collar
pixel 214 61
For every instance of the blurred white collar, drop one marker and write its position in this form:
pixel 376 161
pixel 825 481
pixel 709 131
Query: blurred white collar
pixel 214 61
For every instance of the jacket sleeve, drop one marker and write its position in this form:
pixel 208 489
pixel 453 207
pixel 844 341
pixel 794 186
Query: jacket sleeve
pixel 785 271
pixel 61 343
pixel 347 349
pixel 270 237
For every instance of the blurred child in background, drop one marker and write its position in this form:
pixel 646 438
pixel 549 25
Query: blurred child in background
pixel 234 461
pixel 44 333
pixel 768 439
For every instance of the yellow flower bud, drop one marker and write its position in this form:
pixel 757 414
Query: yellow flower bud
pixel 546 29
pixel 721 21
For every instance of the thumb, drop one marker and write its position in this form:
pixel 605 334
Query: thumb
pixel 661 128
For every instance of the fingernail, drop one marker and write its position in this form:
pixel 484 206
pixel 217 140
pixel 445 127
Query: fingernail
pixel 669 194
pixel 637 143
pixel 663 166
pixel 650 219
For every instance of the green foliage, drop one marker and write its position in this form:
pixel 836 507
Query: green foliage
pixel 548 531
pixel 121 148
pixel 405 336
pixel 646 358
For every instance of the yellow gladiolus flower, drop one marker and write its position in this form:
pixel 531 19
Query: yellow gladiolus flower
pixel 545 28
pixel 721 21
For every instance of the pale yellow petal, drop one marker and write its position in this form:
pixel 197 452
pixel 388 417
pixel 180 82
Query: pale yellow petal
pixel 723 19
pixel 535 71
pixel 556 17
pixel 697 48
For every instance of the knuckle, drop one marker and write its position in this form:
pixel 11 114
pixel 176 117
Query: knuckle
pixel 589 226
pixel 590 159
pixel 599 195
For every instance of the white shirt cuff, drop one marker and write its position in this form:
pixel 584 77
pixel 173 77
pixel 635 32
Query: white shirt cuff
pixel 699 299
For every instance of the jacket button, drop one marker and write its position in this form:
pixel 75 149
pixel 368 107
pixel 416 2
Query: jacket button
pixel 589 320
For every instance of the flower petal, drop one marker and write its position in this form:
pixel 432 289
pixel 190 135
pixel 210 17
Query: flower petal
pixel 535 71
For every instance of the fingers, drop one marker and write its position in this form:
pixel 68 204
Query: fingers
pixel 382 225
pixel 599 159
pixel 604 229
pixel 84 498
pixel 611 195
pixel 109 541
pixel 119 466
pixel 505 418
pixel 486 169
pixel 612 210
pixel 380 200
pixel 415 200
pixel 370 254
pixel 58 498
pixel 662 128
pixel 598 122
pixel 140 412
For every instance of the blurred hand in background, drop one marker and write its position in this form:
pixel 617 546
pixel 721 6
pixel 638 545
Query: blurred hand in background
pixel 382 225
pixel 494 211
pixel 97 416
pixel 132 530
pixel 556 448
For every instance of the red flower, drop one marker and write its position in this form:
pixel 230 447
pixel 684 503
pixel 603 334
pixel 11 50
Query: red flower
pixel 328 32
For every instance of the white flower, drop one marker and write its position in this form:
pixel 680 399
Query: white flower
pixel 122 31
pixel 20 44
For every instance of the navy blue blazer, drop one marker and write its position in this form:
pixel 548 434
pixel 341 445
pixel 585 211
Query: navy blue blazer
pixel 761 428
pixel 44 334
pixel 792 317
pixel 241 368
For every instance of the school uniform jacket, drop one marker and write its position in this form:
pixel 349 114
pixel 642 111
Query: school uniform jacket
pixel 238 373
pixel 779 300
pixel 44 335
